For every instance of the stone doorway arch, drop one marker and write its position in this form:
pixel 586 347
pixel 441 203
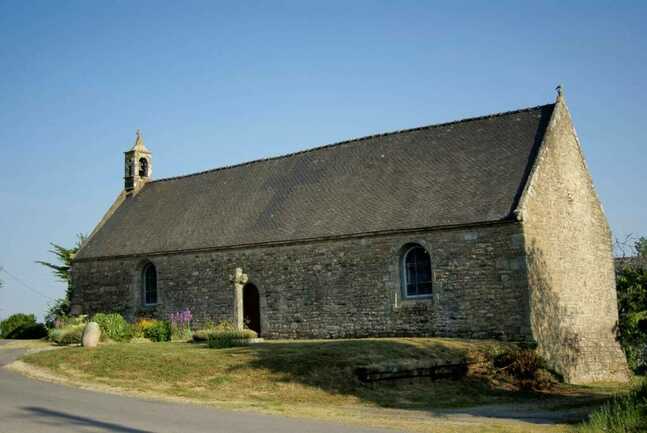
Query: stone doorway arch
pixel 252 308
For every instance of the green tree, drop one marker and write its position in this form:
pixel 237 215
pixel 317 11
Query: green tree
pixel 61 270
pixel 641 247
pixel 632 308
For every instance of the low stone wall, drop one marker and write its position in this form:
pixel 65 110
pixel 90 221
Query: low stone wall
pixel 433 370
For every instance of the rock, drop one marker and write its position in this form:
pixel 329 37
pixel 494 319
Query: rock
pixel 91 334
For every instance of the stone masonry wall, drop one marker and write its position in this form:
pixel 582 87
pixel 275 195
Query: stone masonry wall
pixel 335 288
pixel 570 265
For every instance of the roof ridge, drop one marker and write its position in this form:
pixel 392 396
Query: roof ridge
pixel 354 140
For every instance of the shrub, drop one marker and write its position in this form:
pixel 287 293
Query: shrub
pixel 631 282
pixel 224 335
pixel 223 339
pixel 201 335
pixel 160 330
pixel 140 327
pixel 624 414
pixel 22 326
pixel 57 311
pixel 113 326
pixel 30 332
pixel 64 321
pixel 71 334
pixel 523 366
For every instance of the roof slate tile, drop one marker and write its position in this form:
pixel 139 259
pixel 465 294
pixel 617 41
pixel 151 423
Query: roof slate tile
pixel 462 172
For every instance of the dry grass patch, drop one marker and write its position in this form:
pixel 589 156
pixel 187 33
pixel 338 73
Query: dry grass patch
pixel 299 378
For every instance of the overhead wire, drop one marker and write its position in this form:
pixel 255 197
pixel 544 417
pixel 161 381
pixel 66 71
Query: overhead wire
pixel 25 285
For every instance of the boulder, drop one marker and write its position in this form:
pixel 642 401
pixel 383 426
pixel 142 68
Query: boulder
pixel 91 334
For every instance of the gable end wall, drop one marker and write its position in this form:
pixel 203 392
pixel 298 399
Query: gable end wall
pixel 573 306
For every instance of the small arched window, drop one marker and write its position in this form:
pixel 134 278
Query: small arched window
pixel 150 284
pixel 416 272
pixel 143 167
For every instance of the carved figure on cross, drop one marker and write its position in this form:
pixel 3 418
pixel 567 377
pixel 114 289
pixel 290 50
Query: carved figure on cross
pixel 239 277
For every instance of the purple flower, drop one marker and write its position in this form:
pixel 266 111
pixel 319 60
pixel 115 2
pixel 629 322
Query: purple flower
pixel 181 318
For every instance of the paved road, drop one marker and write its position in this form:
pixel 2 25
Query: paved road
pixel 29 406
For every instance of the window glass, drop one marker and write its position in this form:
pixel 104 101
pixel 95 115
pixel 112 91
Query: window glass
pixel 417 272
pixel 150 284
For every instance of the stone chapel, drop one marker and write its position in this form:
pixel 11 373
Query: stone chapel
pixel 488 227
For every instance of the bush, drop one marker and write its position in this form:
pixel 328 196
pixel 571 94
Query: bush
pixel 22 326
pixel 159 330
pixel 71 334
pixel 201 335
pixel 64 321
pixel 631 282
pixel 30 332
pixel 523 367
pixel 223 339
pixel 113 326
pixel 624 414
pixel 140 327
pixel 224 335
pixel 520 364
pixel 57 311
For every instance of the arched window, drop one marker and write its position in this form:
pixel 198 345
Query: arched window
pixel 150 284
pixel 143 167
pixel 416 272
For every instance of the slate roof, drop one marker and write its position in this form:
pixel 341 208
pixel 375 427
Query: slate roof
pixel 463 172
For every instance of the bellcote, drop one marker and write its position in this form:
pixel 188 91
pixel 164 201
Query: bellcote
pixel 138 165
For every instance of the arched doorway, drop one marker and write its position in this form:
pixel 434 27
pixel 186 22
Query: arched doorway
pixel 252 308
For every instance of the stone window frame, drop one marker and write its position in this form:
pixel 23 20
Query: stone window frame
pixel 141 283
pixel 406 250
pixel 401 298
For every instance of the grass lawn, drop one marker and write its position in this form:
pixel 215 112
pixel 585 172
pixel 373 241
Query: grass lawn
pixel 309 378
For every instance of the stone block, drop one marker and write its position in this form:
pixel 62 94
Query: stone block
pixel 91 335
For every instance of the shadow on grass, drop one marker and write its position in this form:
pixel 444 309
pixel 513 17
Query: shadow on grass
pixel 330 366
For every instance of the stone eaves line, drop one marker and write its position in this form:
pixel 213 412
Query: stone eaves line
pixel 351 141
pixel 270 244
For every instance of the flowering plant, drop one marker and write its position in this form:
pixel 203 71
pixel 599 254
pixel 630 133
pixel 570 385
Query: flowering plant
pixel 181 324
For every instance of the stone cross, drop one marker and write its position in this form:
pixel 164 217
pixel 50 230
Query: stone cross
pixel 239 279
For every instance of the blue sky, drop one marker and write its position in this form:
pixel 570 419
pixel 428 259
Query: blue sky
pixel 213 83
